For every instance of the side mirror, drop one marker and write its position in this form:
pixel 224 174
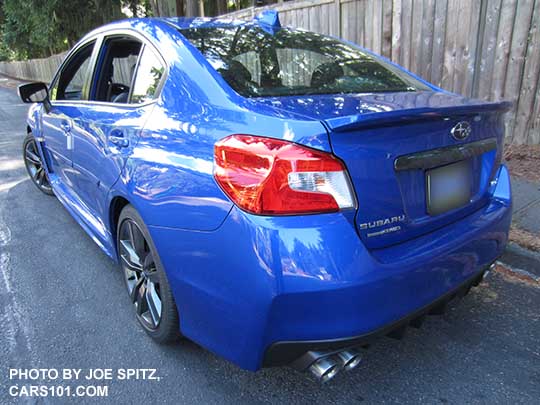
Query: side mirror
pixel 35 92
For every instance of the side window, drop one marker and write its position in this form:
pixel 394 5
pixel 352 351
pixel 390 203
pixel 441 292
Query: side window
pixel 118 63
pixel 70 83
pixel 149 74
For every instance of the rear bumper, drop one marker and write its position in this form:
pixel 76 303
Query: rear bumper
pixel 286 353
pixel 260 290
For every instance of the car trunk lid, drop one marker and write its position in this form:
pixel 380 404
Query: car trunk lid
pixel 410 174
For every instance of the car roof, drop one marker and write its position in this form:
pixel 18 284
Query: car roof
pixel 268 20
pixel 203 22
pixel 145 24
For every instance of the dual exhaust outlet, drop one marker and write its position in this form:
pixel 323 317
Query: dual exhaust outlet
pixel 325 366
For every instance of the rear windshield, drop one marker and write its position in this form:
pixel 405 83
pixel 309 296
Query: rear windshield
pixel 266 63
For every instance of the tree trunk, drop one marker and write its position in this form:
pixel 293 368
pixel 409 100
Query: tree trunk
pixel 201 8
pixel 221 7
pixel 192 8
pixel 155 8
pixel 180 8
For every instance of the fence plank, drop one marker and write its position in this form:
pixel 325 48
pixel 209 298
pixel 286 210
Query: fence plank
pixel 347 26
pixel 377 18
pixel 305 18
pixel 387 9
pixel 471 49
pixel 452 29
pixel 487 53
pixel 426 42
pixel 313 24
pixel 534 126
pixel 516 59
pixel 406 24
pixel 502 52
pixel 396 30
pixel 294 18
pixel 358 10
pixel 530 79
pixel 323 19
pixel 335 19
pixel 368 24
pixel 416 36
pixel 439 41
pixel 465 48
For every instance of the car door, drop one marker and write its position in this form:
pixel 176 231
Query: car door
pixel 68 92
pixel 123 89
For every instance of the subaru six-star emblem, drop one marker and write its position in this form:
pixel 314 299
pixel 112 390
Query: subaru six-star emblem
pixel 461 131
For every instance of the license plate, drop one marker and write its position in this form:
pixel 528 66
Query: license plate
pixel 448 187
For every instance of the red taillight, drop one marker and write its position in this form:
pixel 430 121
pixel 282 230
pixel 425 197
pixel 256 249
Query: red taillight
pixel 275 177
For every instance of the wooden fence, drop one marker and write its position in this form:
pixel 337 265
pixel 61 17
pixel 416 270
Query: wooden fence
pixel 34 69
pixel 488 49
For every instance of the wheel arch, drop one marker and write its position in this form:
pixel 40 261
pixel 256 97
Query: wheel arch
pixel 115 208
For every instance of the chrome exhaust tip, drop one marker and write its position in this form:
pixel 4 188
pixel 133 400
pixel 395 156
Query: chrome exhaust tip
pixel 325 369
pixel 349 358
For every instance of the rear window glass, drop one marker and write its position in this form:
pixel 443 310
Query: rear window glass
pixel 285 62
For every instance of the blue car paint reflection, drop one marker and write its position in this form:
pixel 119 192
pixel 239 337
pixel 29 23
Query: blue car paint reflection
pixel 243 282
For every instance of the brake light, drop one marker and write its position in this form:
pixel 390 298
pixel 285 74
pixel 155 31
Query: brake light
pixel 275 177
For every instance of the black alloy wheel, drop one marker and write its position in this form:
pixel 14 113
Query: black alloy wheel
pixel 34 165
pixel 140 274
pixel 146 282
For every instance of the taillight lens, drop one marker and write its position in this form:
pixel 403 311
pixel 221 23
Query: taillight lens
pixel 275 177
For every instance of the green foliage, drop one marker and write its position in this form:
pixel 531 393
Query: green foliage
pixel 138 8
pixel 6 53
pixel 21 28
pixel 40 28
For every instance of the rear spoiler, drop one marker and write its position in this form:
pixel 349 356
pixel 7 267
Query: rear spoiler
pixel 387 118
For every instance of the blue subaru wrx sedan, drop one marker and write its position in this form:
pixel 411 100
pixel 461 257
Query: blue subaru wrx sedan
pixel 278 196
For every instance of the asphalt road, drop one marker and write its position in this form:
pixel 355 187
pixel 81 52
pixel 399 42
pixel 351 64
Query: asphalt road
pixel 63 305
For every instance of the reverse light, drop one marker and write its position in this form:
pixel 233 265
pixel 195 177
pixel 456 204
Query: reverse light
pixel 275 177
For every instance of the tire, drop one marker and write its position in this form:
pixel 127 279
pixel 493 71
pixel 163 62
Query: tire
pixel 149 281
pixel 34 165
